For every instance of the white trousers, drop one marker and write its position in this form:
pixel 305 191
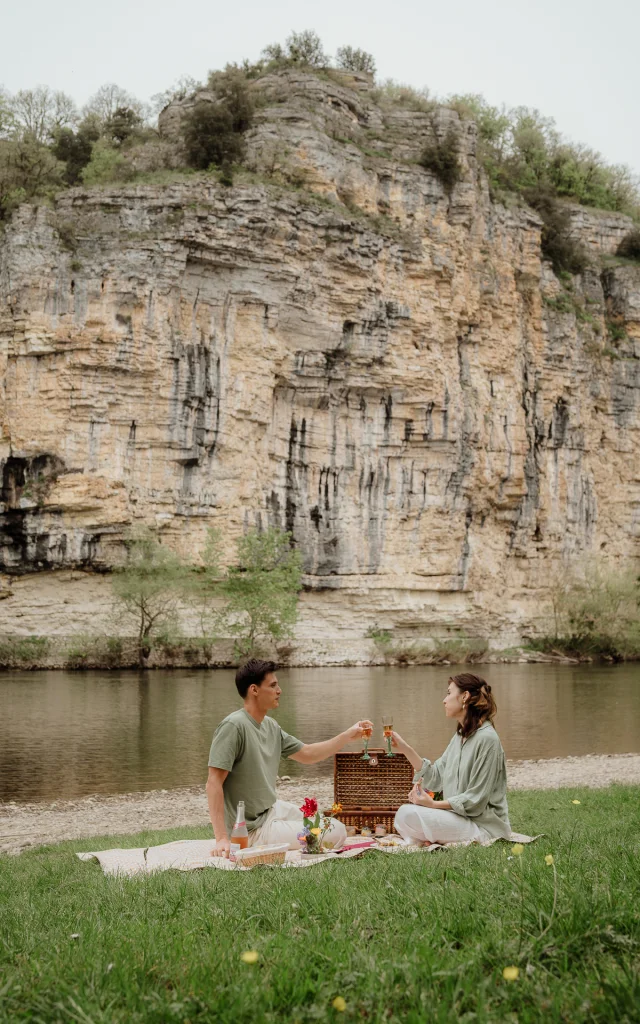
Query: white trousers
pixel 432 825
pixel 283 823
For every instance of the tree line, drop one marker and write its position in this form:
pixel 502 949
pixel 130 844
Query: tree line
pixel 254 600
pixel 47 143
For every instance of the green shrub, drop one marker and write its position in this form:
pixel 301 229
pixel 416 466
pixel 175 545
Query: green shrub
pixel 630 245
pixel 616 331
pixel 213 131
pixel 67 234
pixel 520 149
pixel 350 59
pixel 493 125
pixel 74 149
pixel 107 165
pixel 441 157
pixel 23 651
pixel 396 94
pixel 87 650
pixel 563 251
pixel 426 652
pixel 596 613
pixel 121 125
pixel 300 48
pixel 209 137
pixel 382 638
pixel 114 649
pixel 80 652
pixel 561 303
pixel 152 156
pixel 27 170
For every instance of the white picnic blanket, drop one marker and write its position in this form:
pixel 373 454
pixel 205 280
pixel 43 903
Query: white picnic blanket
pixel 189 854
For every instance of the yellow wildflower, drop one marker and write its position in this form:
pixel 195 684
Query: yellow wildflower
pixel 548 859
pixel 336 808
pixel 251 956
pixel 510 973
pixel 517 849
pixel 339 1004
pixel 575 801
pixel 315 831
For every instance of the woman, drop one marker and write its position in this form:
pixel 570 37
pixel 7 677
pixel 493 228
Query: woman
pixel 471 774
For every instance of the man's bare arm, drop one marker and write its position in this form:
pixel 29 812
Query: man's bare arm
pixel 311 753
pixel 215 799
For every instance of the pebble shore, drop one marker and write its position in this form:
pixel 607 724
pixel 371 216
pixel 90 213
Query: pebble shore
pixel 24 826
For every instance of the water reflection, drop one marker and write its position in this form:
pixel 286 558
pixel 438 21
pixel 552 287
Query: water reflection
pixel 69 734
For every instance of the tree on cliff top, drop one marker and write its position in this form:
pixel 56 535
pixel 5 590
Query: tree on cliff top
pixel 27 169
pixel 349 58
pixel 147 588
pixel 300 48
pixel 41 112
pixel 213 130
pixel 520 149
pixel 108 99
pixel 74 149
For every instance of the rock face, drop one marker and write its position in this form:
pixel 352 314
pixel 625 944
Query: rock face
pixel 385 369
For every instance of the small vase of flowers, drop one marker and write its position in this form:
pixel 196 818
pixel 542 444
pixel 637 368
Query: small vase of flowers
pixel 315 826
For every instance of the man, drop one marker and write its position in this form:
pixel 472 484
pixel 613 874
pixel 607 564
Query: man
pixel 244 760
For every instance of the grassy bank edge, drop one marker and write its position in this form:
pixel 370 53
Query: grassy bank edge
pixel 70 653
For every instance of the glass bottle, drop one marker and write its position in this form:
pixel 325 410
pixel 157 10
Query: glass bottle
pixel 239 834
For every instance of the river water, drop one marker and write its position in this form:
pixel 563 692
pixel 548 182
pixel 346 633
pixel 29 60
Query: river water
pixel 69 734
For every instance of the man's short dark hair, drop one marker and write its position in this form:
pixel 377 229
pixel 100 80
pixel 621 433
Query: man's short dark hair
pixel 253 671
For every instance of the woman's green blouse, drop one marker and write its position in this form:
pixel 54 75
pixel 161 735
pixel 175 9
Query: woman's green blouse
pixel 472 776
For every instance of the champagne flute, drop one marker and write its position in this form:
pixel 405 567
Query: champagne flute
pixel 387 732
pixel 366 736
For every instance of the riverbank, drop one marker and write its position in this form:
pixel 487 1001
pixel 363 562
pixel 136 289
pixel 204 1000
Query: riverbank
pixel 39 654
pixel 83 652
pixel 24 826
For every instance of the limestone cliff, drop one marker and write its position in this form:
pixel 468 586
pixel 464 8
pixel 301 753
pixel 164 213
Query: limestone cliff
pixel 387 370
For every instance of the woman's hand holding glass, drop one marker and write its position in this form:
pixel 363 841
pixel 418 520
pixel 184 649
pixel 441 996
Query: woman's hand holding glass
pixel 398 742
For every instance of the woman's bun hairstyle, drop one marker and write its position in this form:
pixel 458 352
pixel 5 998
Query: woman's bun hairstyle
pixel 480 704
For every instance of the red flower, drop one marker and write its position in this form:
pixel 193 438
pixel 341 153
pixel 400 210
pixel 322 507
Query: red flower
pixel 309 807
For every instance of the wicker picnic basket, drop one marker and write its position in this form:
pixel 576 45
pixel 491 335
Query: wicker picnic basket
pixel 370 791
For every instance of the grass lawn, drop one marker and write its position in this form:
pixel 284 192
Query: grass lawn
pixel 411 938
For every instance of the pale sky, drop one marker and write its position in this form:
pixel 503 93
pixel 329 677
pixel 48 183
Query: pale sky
pixel 575 60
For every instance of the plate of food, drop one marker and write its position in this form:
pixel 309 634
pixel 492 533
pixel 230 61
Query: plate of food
pixel 389 841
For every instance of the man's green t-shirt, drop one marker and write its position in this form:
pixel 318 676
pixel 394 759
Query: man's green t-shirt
pixel 251 754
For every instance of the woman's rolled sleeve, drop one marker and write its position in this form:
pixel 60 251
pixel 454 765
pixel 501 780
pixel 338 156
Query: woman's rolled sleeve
pixel 430 774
